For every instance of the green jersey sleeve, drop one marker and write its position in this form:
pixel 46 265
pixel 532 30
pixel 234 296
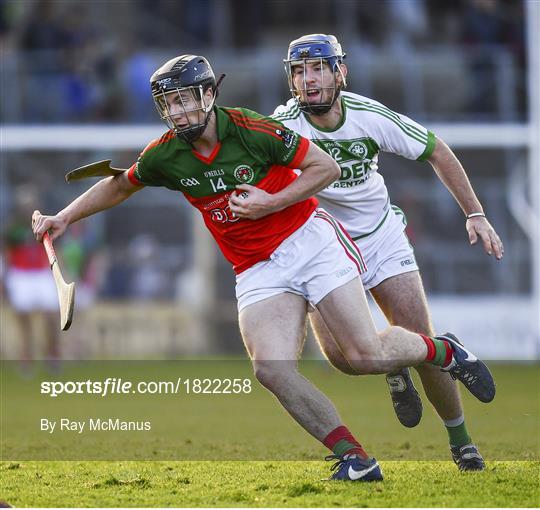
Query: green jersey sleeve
pixel 141 173
pixel 145 171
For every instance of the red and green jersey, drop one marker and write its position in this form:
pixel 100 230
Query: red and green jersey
pixel 22 251
pixel 251 149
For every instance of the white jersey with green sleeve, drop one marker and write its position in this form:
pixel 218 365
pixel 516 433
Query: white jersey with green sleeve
pixel 359 199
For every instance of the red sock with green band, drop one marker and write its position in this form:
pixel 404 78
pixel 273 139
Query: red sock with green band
pixel 439 352
pixel 342 443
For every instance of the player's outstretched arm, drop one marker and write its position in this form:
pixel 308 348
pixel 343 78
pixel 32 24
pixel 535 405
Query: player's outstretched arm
pixel 103 195
pixel 452 174
pixel 318 171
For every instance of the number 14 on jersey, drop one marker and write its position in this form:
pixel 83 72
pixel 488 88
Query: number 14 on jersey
pixel 218 185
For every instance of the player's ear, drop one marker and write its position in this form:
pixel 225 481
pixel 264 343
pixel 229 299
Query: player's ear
pixel 341 76
pixel 208 95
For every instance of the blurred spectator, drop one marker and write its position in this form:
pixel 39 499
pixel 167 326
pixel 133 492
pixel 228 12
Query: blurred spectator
pixel 9 14
pixel 83 259
pixel 44 29
pixel 92 88
pixel 29 284
pixel 197 22
pixel 482 28
pixel 409 24
pixel 489 25
pixel 372 22
pixel 246 13
pixel 71 65
pixel 182 23
pixel 44 36
pixel 149 278
pixel 137 68
pixel 116 286
pixel 84 262
pixel 82 64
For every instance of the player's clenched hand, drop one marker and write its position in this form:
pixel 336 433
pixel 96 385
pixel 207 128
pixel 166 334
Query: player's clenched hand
pixel 56 225
pixel 251 203
pixel 479 227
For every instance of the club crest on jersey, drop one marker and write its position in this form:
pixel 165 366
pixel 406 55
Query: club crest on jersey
pixel 244 174
pixel 287 136
pixel 359 149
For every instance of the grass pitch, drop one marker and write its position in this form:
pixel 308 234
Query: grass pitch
pixel 264 484
pixel 416 474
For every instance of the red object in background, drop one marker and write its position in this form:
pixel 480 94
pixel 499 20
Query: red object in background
pixel 28 256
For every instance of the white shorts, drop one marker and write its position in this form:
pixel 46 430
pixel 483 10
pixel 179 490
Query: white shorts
pixel 313 261
pixel 387 250
pixel 30 290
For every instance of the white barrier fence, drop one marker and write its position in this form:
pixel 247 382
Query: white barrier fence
pixel 493 328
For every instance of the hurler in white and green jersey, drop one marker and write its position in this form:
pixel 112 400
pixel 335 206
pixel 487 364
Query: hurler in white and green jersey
pixel 354 129
pixel 360 198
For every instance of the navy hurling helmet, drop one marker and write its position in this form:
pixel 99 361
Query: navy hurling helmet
pixel 310 49
pixel 189 77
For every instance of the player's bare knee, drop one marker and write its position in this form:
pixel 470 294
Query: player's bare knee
pixel 272 373
pixel 365 358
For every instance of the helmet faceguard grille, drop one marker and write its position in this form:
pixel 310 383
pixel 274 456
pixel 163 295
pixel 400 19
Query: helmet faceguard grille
pixel 185 110
pixel 319 51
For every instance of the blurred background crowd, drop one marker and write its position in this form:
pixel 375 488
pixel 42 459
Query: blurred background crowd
pixel 88 62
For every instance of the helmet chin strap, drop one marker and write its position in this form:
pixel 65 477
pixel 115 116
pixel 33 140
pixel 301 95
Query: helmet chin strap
pixel 220 79
pixel 191 135
pixel 320 109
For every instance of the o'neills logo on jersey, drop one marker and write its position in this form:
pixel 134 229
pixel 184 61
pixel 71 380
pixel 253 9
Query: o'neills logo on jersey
pixel 244 173
pixel 359 149
pixel 287 137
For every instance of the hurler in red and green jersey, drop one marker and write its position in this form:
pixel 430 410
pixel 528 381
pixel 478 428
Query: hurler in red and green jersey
pixel 251 149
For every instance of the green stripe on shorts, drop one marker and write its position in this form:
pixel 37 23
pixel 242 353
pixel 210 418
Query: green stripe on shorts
pixel 346 240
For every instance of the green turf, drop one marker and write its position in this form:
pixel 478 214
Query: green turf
pixel 268 442
pixel 255 427
pixel 264 484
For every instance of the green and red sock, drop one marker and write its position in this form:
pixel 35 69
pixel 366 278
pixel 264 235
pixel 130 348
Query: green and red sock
pixel 342 443
pixel 439 351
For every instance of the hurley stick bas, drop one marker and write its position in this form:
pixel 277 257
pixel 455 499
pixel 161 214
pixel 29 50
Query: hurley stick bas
pixel 97 169
pixel 66 291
